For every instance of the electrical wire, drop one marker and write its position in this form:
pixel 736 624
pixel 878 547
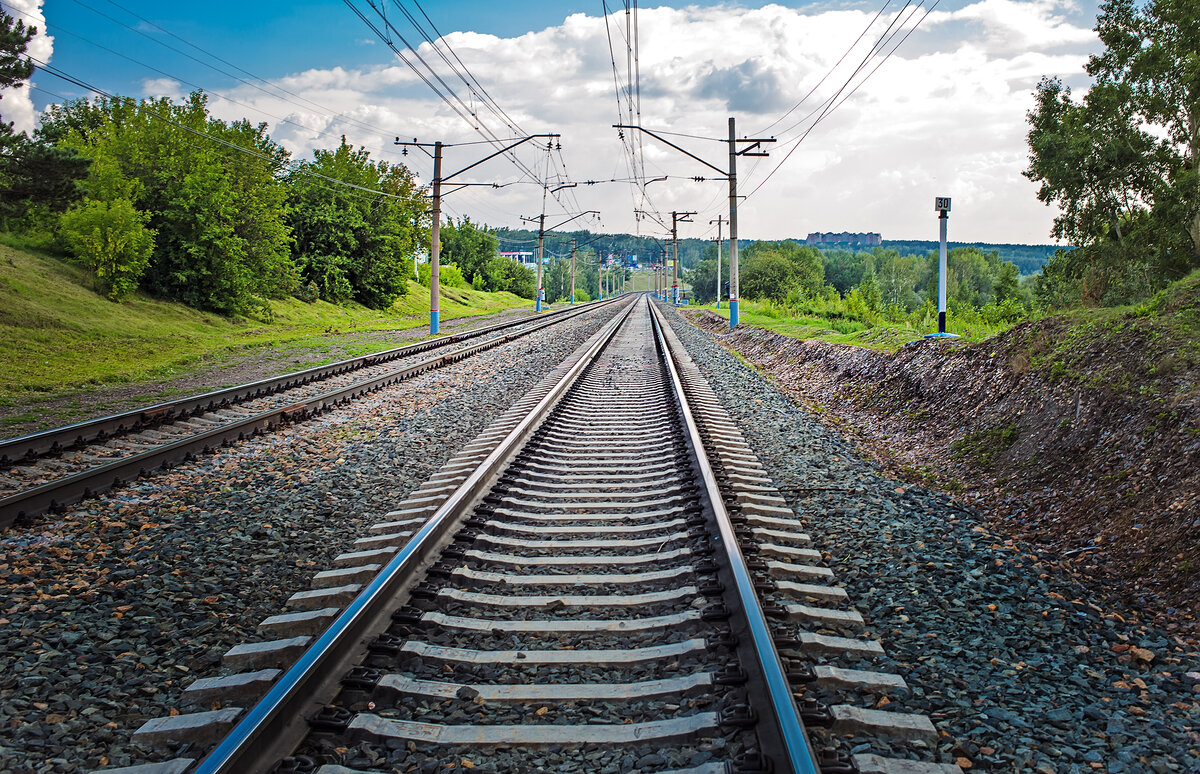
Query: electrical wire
pixel 833 103
pixel 59 30
pixel 829 72
pixel 296 100
pixel 300 168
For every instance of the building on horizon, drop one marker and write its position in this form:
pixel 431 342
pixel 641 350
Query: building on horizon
pixel 869 239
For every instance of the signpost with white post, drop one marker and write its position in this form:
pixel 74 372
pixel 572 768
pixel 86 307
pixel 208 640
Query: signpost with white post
pixel 942 205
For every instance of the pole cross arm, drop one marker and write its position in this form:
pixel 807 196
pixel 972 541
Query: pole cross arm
pixel 460 186
pixel 723 173
pixel 505 149
pixel 754 143
pixel 574 217
pixel 652 217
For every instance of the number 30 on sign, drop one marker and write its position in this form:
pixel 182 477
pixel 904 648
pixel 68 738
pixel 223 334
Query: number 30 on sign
pixel 941 203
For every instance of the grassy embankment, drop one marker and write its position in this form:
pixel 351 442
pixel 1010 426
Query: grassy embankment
pixel 57 334
pixel 1086 346
pixel 884 337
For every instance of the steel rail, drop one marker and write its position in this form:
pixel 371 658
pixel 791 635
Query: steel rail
pixel 73 488
pixel 269 730
pixel 801 757
pixel 55 440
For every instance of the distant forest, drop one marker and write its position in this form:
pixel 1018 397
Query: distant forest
pixel 1028 258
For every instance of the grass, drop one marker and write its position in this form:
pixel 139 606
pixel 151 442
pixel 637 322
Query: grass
pixel 887 337
pixel 1149 350
pixel 56 333
pixel 986 445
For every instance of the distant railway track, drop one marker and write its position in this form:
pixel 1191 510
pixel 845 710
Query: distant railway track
pixel 44 471
pixel 603 574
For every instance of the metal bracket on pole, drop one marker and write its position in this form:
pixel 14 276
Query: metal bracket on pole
pixel 435 226
pixel 541 221
pixel 676 219
pixel 751 145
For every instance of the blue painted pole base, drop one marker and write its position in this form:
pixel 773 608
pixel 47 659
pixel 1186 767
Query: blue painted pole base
pixel 537 305
pixel 572 298
pixel 941 335
pixel 718 304
pixel 733 313
pixel 435 321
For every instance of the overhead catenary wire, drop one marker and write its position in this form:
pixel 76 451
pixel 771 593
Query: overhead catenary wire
pixel 300 168
pixel 269 88
pixel 828 72
pixel 59 30
pixel 834 102
pixel 418 63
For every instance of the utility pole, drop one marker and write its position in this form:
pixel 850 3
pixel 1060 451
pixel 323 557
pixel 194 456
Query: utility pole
pixel 435 243
pixel 541 221
pixel 537 295
pixel 676 219
pixel 573 271
pixel 731 176
pixel 718 221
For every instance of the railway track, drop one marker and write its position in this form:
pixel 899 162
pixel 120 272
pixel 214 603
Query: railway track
pixel 603 581
pixel 51 469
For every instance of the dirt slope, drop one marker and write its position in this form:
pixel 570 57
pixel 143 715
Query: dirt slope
pixel 1081 434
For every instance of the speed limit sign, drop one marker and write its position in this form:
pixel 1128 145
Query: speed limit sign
pixel 941 203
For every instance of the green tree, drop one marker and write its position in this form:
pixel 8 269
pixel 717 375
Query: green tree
pixel 502 273
pixel 844 269
pixel 354 241
pixel 32 174
pixel 467 245
pixel 112 240
pixel 703 279
pixel 38 177
pixel 212 191
pixel 899 277
pixel 14 37
pixel 767 274
pixel 1123 164
pixel 774 270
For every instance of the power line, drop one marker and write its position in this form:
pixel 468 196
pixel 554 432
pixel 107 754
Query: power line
pixel 299 167
pixel 311 104
pixel 830 71
pixel 63 31
pixel 831 105
pixel 412 56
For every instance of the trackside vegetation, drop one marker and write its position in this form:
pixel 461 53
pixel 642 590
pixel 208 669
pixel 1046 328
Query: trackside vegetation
pixel 57 334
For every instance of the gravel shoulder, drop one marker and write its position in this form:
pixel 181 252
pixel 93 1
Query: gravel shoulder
pixel 234 366
pixel 1021 667
pixel 108 611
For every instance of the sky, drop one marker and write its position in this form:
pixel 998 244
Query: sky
pixel 942 115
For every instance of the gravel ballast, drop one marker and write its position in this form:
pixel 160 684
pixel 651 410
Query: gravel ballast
pixel 1017 664
pixel 108 611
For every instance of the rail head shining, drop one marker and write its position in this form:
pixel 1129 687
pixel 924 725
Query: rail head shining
pixel 268 731
pixel 801 757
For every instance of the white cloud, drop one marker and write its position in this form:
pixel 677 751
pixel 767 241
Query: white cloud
pixel 944 116
pixel 15 103
pixel 162 87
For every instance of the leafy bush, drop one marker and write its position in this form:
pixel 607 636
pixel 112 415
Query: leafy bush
pixel 221 240
pixel 112 240
pixel 448 276
pixel 502 273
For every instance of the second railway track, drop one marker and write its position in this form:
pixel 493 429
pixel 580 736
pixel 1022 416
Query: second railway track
pixel 48 470
pixel 583 588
